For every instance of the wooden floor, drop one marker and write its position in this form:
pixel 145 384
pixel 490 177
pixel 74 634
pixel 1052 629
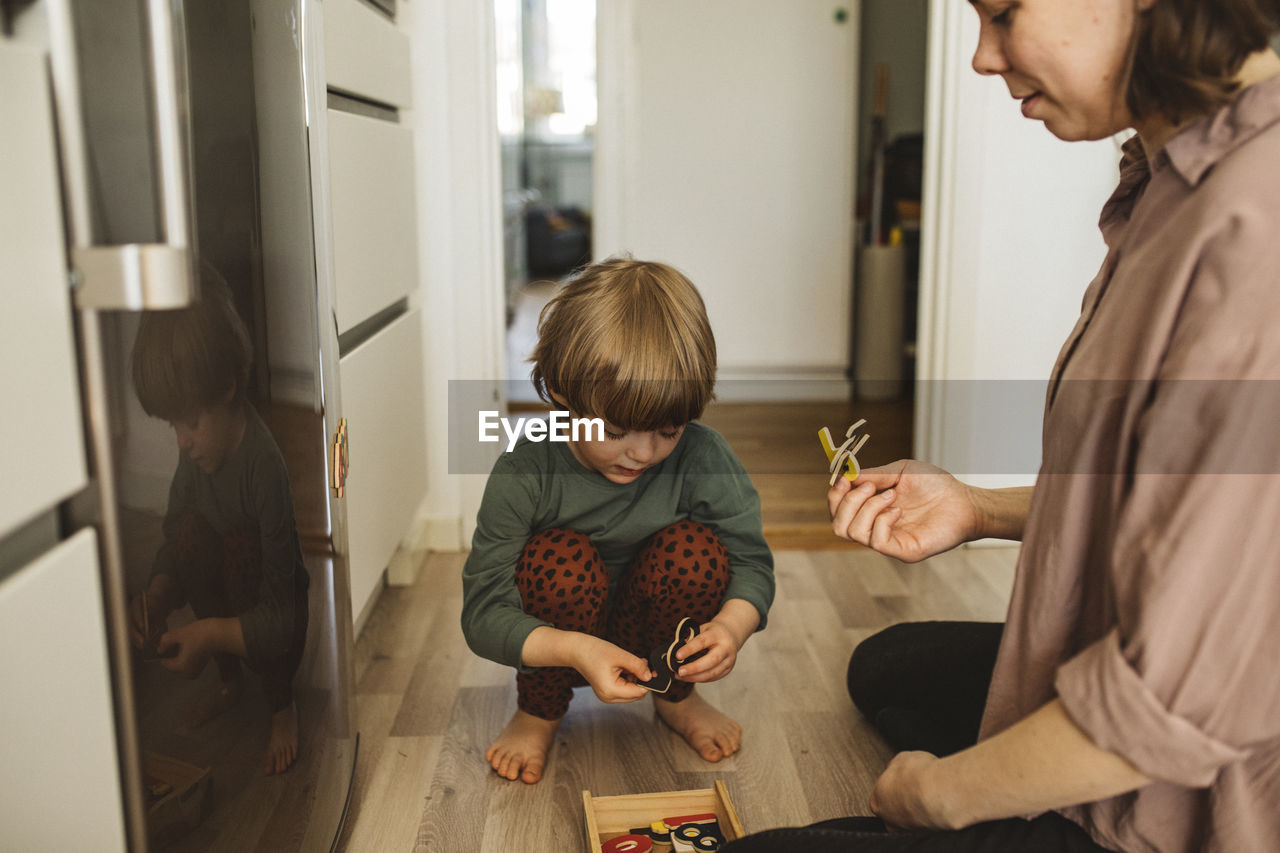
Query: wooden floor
pixel 427 709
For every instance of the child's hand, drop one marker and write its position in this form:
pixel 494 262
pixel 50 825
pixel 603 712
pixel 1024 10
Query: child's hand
pixel 148 612
pixel 606 667
pixel 137 623
pixel 721 654
pixel 721 638
pixel 191 646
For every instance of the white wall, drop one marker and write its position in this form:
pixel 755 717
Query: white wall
pixel 460 234
pixel 1009 243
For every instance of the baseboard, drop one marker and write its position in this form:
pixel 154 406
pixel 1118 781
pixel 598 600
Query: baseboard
pixel 993 543
pixel 439 533
pixel 427 534
pixel 404 566
pixel 764 385
pixel 363 616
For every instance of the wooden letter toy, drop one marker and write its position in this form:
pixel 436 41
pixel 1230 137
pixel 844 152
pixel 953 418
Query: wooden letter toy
pixel 694 833
pixel 659 833
pixel 628 844
pixel 843 459
pixel 662 660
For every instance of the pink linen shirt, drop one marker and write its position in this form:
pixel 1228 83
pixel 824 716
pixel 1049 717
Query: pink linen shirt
pixel 1147 596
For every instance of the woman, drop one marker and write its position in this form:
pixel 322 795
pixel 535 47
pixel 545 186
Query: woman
pixel 1134 691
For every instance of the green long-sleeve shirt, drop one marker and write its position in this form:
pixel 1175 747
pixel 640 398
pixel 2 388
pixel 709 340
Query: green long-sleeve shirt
pixel 540 485
pixel 250 492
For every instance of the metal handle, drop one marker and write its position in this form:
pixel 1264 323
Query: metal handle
pixel 169 119
pixel 145 276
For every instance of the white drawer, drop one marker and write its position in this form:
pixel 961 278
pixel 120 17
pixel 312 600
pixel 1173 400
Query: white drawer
pixel 375 223
pixel 383 402
pixel 365 54
pixel 40 431
pixel 57 723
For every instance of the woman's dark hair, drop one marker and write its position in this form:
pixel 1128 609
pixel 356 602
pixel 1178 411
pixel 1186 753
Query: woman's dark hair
pixel 1187 52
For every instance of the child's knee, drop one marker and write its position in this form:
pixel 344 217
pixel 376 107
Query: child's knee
pixel 687 554
pixel 560 573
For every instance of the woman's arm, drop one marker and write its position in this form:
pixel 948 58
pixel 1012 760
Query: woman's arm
pixel 1041 763
pixel 1002 513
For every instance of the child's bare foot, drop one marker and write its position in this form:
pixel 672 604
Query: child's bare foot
pixel 282 748
pixel 210 705
pixel 520 752
pixel 711 733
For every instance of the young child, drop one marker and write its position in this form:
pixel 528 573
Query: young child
pixel 588 553
pixel 231 546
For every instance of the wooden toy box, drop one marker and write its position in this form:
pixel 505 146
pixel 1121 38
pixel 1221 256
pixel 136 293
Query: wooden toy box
pixel 609 817
pixel 183 808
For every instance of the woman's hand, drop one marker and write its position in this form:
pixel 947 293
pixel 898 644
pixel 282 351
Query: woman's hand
pixel 907 509
pixel 606 666
pixel 721 638
pixel 899 797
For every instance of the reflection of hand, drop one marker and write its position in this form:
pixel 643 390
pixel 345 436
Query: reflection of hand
pixel 898 797
pixel 137 623
pixel 907 509
pixel 191 646
pixel 606 666
pixel 153 620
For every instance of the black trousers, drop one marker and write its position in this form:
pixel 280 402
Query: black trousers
pixel 923 685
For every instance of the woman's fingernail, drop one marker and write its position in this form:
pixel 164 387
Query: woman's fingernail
pixel 887 494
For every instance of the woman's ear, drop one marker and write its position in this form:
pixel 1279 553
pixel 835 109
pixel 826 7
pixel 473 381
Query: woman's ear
pixel 559 398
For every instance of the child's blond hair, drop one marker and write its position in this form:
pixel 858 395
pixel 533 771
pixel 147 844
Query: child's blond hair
pixel 627 341
pixel 186 360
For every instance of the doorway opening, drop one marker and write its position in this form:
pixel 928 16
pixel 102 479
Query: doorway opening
pixel 547 104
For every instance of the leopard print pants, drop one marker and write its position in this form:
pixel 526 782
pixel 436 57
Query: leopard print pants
pixel 683 570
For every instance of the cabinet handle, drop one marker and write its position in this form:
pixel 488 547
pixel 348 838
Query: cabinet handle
pixel 341 463
pixel 137 276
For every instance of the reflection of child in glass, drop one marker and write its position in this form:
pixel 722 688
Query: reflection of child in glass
pixel 231 546
pixel 588 552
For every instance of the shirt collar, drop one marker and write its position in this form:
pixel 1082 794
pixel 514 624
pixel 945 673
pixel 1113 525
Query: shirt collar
pixel 1194 150
pixel 1134 173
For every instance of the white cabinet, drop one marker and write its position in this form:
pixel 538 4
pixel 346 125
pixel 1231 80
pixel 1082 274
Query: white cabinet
pixel 372 209
pixel 375 226
pixel 40 432
pixel 382 398
pixel 58 767
pixel 57 737
pixel 365 54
